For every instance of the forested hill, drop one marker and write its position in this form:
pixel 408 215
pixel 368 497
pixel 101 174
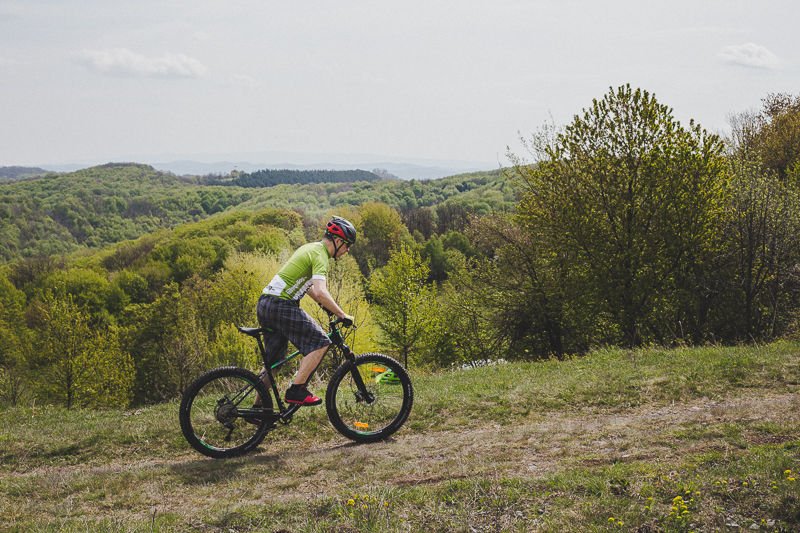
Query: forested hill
pixel 269 178
pixel 60 212
pixel 15 173
pixel 93 207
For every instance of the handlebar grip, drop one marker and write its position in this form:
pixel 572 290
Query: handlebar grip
pixel 343 321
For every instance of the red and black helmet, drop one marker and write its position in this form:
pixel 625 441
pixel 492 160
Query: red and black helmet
pixel 339 227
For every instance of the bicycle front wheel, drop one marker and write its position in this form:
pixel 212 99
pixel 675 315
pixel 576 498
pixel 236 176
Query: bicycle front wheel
pixel 218 416
pixel 370 398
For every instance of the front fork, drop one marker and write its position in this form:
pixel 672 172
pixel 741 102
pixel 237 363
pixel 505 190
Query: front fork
pixel 362 394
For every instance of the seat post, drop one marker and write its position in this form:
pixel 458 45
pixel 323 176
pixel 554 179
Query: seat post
pixel 262 348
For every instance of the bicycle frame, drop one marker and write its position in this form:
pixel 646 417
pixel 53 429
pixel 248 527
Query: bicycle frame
pixel 284 414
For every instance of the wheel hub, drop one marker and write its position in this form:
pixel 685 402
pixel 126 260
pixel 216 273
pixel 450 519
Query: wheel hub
pixel 225 412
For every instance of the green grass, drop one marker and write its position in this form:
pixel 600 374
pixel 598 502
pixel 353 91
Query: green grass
pixel 648 440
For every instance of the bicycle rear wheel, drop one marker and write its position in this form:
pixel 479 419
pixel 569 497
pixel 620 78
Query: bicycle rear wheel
pixel 378 410
pixel 217 414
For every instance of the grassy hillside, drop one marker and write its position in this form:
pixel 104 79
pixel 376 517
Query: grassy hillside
pixel 650 440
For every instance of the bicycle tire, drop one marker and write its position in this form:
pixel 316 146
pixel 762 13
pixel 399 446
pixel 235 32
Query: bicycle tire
pixel 206 407
pixel 369 421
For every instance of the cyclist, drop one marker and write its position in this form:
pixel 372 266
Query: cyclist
pixel 279 305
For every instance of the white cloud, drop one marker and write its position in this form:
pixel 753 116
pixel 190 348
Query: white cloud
pixel 123 62
pixel 750 55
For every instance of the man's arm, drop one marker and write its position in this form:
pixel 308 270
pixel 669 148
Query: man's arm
pixel 319 293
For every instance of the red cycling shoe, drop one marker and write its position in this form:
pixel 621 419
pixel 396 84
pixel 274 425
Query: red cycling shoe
pixel 299 395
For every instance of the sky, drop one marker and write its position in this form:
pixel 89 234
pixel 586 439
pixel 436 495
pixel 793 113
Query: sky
pixel 96 81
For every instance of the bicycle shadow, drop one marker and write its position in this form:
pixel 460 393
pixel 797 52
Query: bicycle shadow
pixel 207 470
pixel 354 445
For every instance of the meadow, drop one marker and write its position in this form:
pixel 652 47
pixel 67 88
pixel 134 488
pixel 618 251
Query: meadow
pixel 686 439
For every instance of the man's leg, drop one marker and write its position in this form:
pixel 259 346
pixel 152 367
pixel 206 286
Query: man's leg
pixel 307 366
pixel 267 383
pixel 298 393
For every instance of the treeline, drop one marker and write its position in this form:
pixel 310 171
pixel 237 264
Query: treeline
pixel 269 178
pixel 625 228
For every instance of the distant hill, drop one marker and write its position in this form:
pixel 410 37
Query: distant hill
pixel 16 173
pixel 403 168
pixel 269 178
pixel 406 168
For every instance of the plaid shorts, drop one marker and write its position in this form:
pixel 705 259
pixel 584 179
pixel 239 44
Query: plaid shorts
pixel 289 323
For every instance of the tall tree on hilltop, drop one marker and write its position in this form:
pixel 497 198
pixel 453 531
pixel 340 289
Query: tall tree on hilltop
pixel 632 196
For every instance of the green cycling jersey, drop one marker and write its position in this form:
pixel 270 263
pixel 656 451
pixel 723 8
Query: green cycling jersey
pixel 309 262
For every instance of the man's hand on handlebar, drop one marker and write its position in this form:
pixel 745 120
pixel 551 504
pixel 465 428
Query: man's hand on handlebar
pixel 346 320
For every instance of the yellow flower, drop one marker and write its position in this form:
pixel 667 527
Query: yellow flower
pixel 612 519
pixel 787 472
pixel 351 502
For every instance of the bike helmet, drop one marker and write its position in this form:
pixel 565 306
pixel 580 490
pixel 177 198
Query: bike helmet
pixel 339 227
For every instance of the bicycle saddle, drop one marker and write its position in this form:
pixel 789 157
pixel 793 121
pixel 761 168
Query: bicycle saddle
pixel 253 332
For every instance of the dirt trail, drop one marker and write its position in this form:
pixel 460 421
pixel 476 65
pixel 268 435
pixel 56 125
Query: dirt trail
pixel 533 448
pixel 541 446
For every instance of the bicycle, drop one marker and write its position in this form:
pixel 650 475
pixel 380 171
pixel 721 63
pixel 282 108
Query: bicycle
pixel 368 398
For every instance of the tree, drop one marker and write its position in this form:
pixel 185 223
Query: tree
pixel 466 329
pixel 186 349
pixel 777 135
pixel 12 364
pixel 380 229
pixel 90 290
pixel 762 226
pixel 433 251
pixel 404 300
pixel 170 343
pixel 14 341
pixel 422 219
pixel 631 195
pixel 75 364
